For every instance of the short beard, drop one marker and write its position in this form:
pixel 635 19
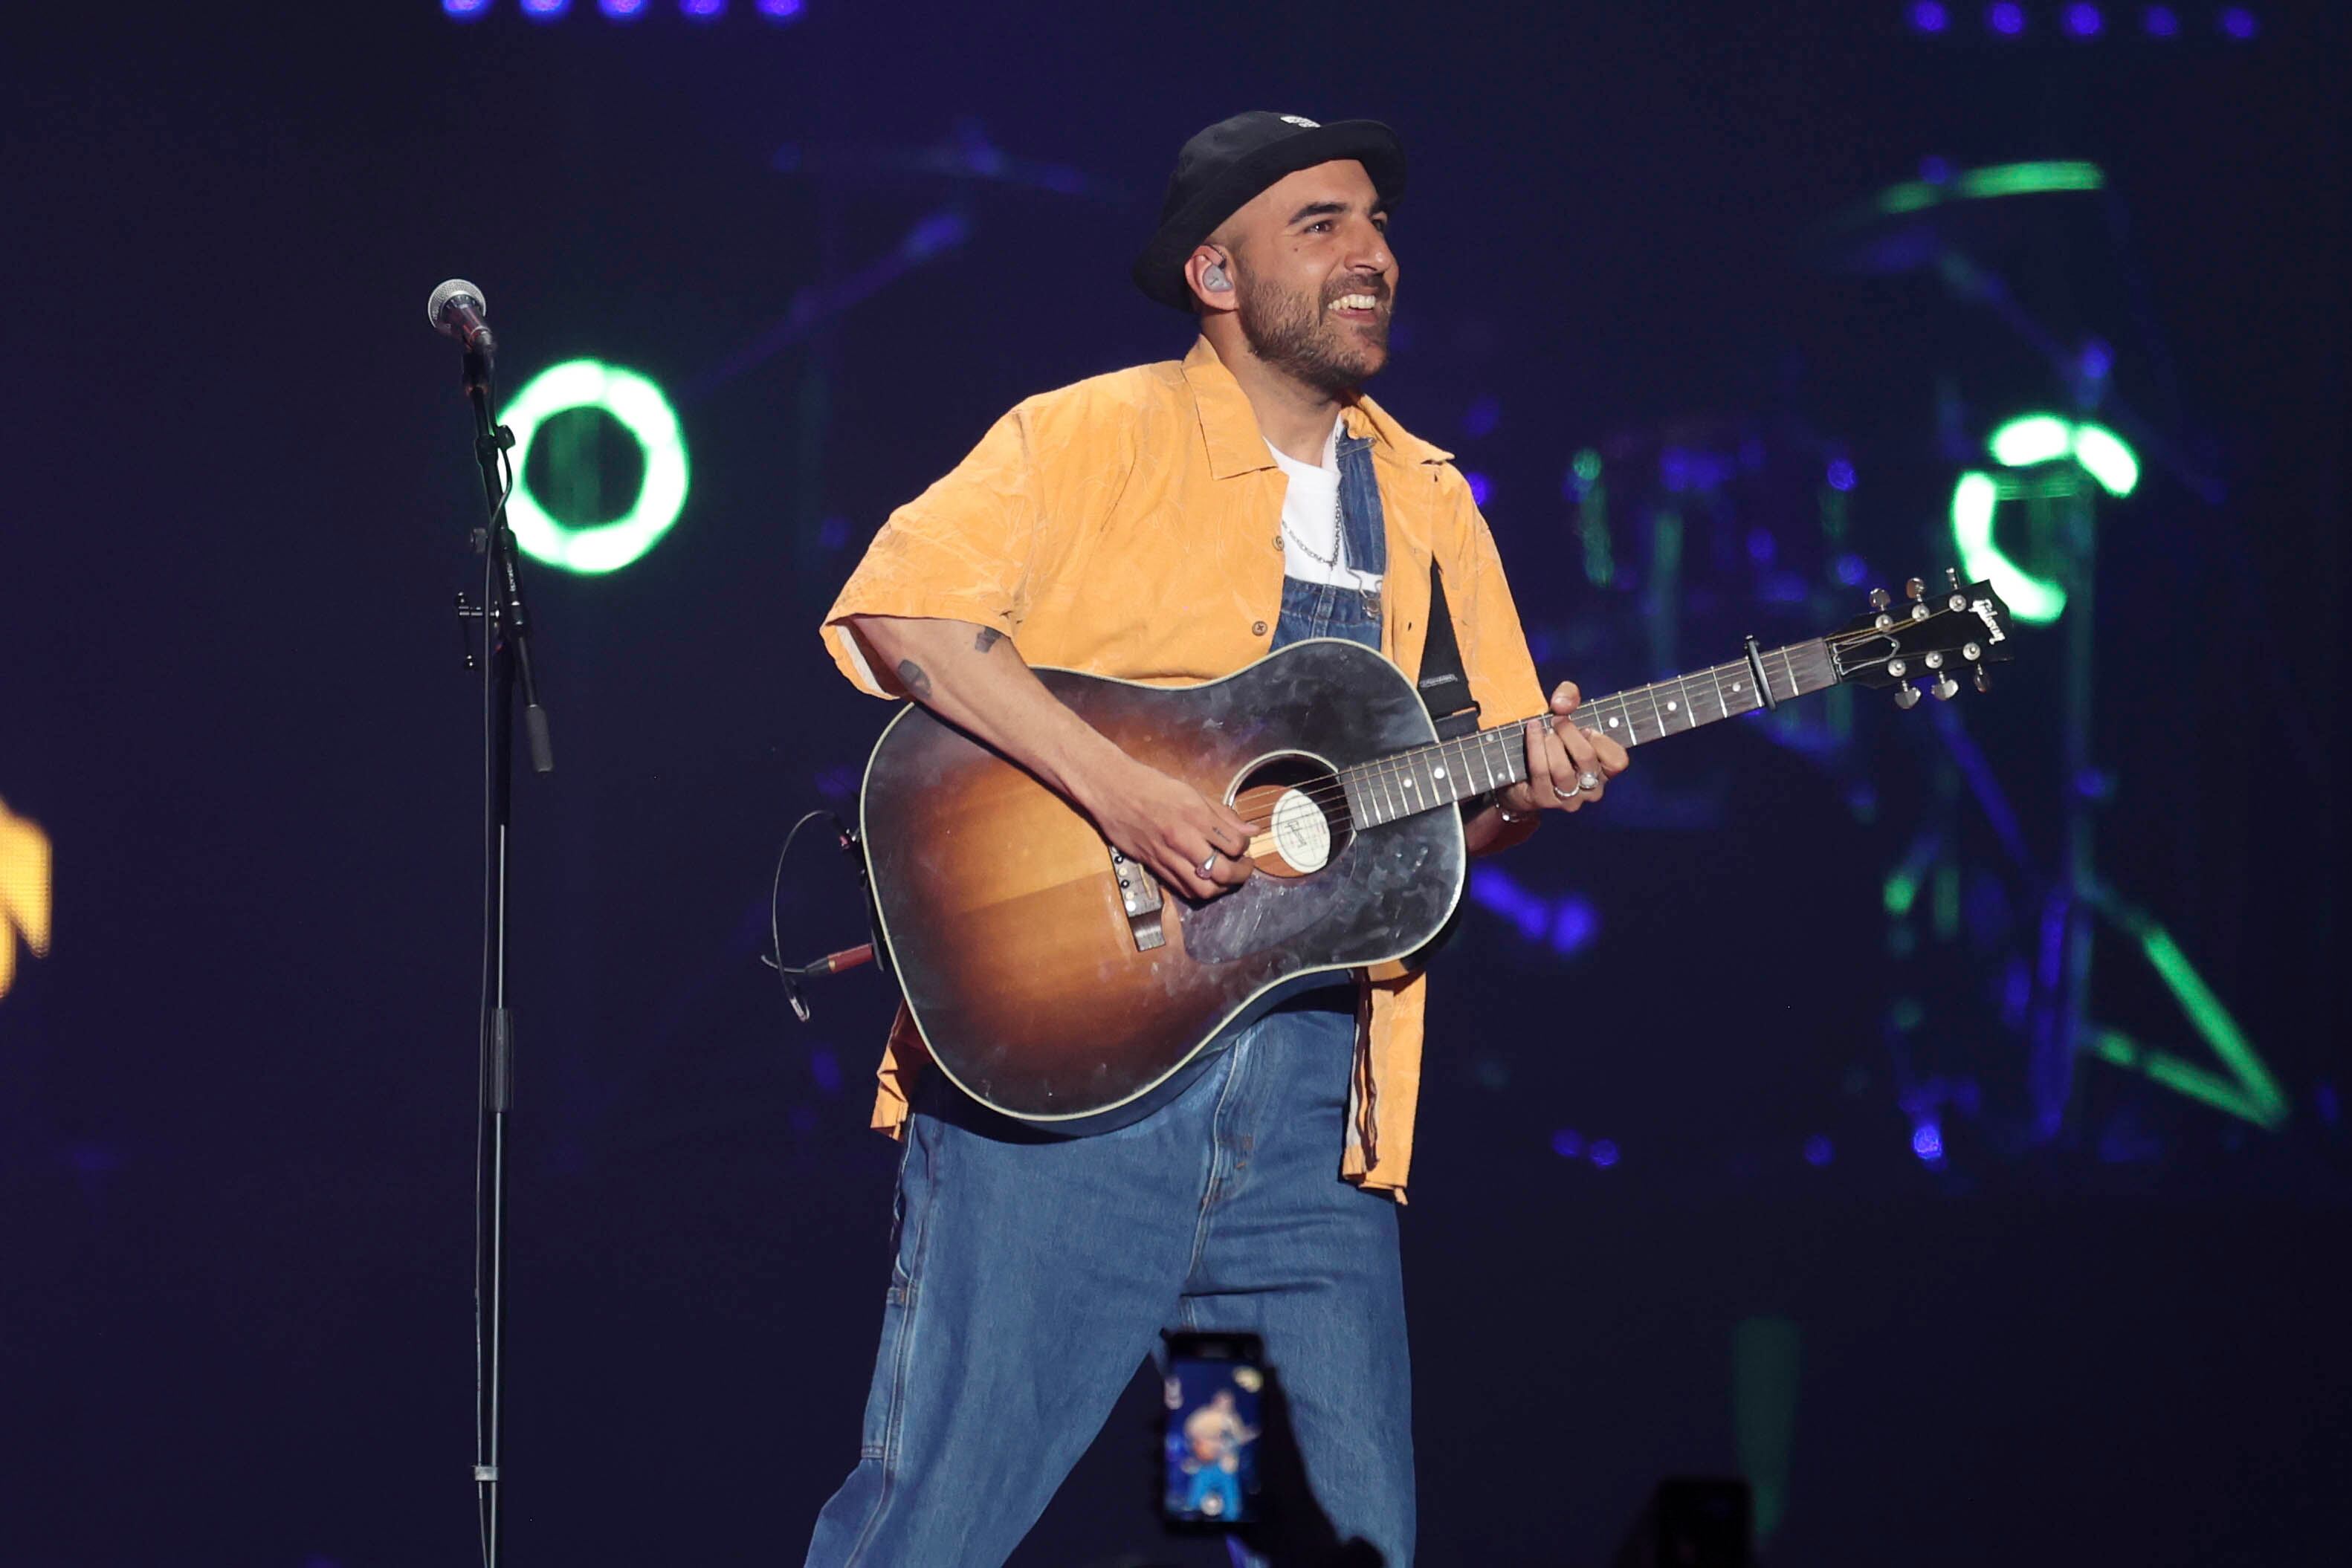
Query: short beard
pixel 1293 334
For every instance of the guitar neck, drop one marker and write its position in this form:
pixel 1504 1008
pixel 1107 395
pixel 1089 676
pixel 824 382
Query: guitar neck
pixel 1428 776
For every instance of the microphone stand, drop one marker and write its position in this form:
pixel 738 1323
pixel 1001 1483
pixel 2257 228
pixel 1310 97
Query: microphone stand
pixel 507 664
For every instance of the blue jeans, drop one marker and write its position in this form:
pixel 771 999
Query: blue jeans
pixel 1033 1274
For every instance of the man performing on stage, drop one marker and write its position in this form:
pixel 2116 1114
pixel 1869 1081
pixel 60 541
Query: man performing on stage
pixel 1168 525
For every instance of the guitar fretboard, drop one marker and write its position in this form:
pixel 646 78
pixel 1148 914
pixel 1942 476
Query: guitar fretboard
pixel 1428 776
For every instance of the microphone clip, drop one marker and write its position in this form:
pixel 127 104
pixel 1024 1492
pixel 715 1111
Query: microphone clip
pixel 480 356
pixel 491 443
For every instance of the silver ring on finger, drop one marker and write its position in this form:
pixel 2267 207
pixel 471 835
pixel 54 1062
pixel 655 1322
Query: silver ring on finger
pixel 1588 780
pixel 1209 864
pixel 1563 794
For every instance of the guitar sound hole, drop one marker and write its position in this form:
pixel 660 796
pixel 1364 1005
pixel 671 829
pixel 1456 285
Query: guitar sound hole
pixel 1294 809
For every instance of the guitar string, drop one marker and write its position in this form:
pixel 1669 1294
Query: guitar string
pixel 1394 769
pixel 1394 772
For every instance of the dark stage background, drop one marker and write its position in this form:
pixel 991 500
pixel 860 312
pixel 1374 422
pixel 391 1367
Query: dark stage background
pixel 1811 1203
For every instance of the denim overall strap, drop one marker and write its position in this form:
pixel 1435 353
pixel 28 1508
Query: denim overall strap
pixel 1328 610
pixel 1359 508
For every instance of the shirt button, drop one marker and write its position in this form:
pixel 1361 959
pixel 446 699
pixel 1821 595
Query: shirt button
pixel 1257 628
pixel 1277 541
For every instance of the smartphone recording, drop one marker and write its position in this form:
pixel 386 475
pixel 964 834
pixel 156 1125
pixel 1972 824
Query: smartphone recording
pixel 1210 1442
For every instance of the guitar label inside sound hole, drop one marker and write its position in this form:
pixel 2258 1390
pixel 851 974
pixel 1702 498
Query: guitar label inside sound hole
pixel 1301 835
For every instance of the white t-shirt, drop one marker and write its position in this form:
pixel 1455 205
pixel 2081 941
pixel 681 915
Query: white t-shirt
pixel 1310 511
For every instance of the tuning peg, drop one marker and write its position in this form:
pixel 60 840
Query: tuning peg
pixel 1952 574
pixel 1906 696
pixel 1880 598
pixel 1984 681
pixel 1946 688
pixel 1915 588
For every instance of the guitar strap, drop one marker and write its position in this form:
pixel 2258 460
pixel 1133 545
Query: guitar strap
pixel 1445 689
pixel 1445 693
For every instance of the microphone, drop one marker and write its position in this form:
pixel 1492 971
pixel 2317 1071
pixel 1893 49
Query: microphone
pixel 457 309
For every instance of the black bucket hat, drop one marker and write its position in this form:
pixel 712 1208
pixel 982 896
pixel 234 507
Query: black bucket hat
pixel 1221 168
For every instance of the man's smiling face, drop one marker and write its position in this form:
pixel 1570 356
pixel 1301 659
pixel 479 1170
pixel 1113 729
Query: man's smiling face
pixel 1315 281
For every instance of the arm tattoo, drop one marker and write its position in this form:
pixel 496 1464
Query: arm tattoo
pixel 910 676
pixel 988 638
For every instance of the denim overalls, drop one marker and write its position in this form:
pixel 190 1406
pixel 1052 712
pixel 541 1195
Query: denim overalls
pixel 1328 610
pixel 1031 1273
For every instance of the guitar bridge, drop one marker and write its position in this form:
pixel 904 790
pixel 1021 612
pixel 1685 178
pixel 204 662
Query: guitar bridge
pixel 1139 895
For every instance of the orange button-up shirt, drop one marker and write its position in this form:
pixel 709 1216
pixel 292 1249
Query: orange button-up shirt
pixel 1131 526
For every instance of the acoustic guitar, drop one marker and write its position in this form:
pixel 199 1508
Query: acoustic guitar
pixel 1056 982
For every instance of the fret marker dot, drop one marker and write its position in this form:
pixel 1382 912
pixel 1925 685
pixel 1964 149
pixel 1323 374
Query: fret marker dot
pixel 1408 783
pixel 1437 773
pixel 1613 723
pixel 1671 706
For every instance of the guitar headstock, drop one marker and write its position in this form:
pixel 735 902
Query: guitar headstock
pixel 1936 635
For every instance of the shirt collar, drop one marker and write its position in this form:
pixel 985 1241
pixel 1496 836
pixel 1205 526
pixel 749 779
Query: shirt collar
pixel 1236 445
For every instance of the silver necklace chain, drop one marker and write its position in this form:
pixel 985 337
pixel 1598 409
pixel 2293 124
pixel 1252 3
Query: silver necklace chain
pixel 1370 596
pixel 1332 561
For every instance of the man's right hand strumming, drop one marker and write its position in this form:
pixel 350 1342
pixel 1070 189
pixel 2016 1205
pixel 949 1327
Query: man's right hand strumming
pixel 1161 820
pixel 971 676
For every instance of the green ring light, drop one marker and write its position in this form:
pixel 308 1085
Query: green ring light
pixel 641 410
pixel 2000 180
pixel 2022 442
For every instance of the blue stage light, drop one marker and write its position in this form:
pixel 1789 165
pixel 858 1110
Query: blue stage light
pixel 2084 21
pixel 1841 473
pixel 1929 16
pixel 1480 488
pixel 934 235
pixel 1568 1144
pixel 2161 23
pixel 545 10
pixel 1495 888
pixel 1605 1153
pixel 622 10
pixel 1927 1142
pixel 465 10
pixel 703 10
pixel 780 10
pixel 2237 22
pixel 1568 924
pixel 1482 417
pixel 1818 1151
pixel 1574 923
pixel 2005 18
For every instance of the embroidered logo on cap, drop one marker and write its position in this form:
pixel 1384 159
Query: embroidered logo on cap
pixel 1300 121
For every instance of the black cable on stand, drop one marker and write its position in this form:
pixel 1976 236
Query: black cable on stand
pixel 456 308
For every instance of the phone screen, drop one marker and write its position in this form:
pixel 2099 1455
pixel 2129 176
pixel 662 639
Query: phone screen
pixel 1209 1441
